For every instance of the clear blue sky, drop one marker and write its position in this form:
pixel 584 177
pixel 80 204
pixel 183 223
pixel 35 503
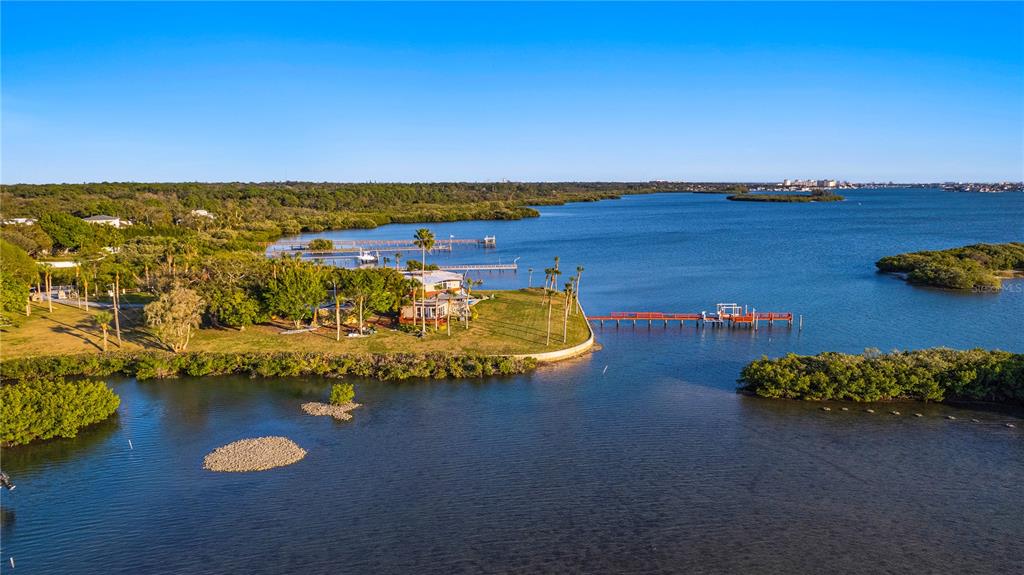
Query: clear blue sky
pixel 426 92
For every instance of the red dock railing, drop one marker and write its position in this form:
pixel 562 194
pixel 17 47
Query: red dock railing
pixel 727 314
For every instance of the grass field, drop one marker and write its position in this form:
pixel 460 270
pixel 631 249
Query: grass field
pixel 514 322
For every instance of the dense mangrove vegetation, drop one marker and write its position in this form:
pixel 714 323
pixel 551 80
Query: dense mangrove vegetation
pixel 926 375
pixel 816 196
pixel 158 365
pixel 37 409
pixel 973 267
pixel 241 213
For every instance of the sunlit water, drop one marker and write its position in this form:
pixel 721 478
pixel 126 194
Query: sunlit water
pixel 638 458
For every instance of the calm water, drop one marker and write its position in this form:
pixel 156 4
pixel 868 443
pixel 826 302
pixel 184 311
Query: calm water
pixel 651 465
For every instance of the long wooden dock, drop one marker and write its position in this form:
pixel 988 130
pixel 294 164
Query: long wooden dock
pixel 479 267
pixel 725 315
pixel 350 245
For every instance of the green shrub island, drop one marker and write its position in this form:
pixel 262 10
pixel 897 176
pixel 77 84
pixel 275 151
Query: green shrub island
pixel 967 268
pixel 342 393
pixel 156 364
pixel 927 375
pixel 38 409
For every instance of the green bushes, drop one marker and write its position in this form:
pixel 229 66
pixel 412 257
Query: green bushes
pixel 342 393
pixel 966 268
pixel 320 244
pixel 157 365
pixel 42 409
pixel 927 375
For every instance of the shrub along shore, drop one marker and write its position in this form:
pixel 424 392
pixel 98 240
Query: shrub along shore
pixel 36 403
pixel 42 409
pixel 937 374
pixel 158 365
pixel 973 267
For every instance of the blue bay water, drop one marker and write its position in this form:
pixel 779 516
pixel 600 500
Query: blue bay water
pixel 637 458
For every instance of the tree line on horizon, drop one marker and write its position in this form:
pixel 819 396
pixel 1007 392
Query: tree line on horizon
pixel 266 211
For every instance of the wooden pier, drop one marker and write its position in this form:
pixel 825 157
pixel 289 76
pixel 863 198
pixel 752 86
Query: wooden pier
pixel 374 245
pixel 731 315
pixel 479 267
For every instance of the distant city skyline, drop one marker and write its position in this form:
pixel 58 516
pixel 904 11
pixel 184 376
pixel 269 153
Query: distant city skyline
pixel 759 92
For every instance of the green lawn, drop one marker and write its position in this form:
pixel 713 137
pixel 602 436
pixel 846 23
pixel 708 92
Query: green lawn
pixel 514 322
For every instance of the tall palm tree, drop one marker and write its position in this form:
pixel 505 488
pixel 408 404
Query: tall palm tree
pixel 451 297
pixel 549 293
pixel 424 240
pixel 565 310
pixel 398 260
pixel 337 309
pixel 576 290
pixel 102 319
pixel 556 273
pixel 48 271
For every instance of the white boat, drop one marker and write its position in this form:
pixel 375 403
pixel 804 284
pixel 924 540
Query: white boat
pixel 366 257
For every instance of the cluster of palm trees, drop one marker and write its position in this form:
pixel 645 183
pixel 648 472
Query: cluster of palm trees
pixel 570 293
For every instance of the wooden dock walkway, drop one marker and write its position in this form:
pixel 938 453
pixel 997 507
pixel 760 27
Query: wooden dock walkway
pixel 352 245
pixel 479 267
pixel 726 315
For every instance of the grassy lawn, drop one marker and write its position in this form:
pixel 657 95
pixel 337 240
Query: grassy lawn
pixel 514 322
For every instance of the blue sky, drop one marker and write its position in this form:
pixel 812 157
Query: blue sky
pixel 471 92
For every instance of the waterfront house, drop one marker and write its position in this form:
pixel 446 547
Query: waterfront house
pixel 19 221
pixel 437 281
pixel 437 307
pixel 107 221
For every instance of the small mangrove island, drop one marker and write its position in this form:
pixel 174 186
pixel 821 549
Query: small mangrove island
pixel 977 267
pixel 938 374
pixel 39 409
pixel 814 196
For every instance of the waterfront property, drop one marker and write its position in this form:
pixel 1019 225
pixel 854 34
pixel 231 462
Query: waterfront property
pixel 510 322
pixel 444 298
pixel 104 220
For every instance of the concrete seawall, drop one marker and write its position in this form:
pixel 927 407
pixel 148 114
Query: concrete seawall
pixel 558 355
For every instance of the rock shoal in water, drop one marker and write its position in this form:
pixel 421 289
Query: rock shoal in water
pixel 339 412
pixel 257 454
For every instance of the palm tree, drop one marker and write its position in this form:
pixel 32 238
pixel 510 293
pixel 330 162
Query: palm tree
pixel 576 290
pixel 424 240
pixel 529 283
pixel 48 280
pixel 565 311
pixel 337 310
pixel 102 319
pixel 451 296
pixel 556 273
pixel 117 305
pixel 549 292
pixel 398 260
